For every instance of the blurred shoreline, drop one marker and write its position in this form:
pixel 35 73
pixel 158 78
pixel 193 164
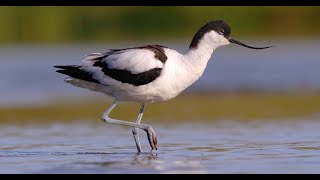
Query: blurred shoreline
pixel 187 107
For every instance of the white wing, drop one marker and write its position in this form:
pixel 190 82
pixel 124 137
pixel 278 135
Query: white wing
pixel 133 60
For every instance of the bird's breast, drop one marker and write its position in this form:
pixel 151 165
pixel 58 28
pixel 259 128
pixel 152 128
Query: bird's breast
pixel 176 76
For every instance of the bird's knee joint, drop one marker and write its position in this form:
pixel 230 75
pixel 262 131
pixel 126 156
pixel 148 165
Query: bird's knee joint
pixel 134 132
pixel 105 119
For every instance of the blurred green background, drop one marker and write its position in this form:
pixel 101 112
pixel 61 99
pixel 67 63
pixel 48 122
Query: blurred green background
pixel 107 24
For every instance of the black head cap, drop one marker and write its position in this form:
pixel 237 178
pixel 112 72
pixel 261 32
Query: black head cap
pixel 218 26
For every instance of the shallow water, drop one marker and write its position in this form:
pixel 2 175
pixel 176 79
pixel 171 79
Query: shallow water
pixel 266 146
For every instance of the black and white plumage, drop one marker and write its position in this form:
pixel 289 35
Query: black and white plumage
pixel 148 74
pixel 119 64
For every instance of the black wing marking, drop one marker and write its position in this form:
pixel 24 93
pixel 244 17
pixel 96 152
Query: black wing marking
pixel 125 76
pixel 76 72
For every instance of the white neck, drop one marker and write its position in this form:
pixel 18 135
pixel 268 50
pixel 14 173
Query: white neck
pixel 197 57
pixel 202 52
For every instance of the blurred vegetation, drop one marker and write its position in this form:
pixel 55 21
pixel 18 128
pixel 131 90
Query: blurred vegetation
pixel 65 24
pixel 191 107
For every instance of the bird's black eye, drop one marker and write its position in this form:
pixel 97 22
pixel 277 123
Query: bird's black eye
pixel 221 32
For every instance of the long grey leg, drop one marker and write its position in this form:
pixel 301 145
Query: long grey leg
pixel 147 128
pixel 135 131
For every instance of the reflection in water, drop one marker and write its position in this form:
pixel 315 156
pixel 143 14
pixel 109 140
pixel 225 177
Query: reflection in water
pixel 154 162
pixel 144 157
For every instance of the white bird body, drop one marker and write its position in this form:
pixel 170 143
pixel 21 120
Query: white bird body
pixel 178 72
pixel 148 74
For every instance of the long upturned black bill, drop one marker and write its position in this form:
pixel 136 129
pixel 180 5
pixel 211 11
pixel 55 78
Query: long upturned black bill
pixel 244 45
